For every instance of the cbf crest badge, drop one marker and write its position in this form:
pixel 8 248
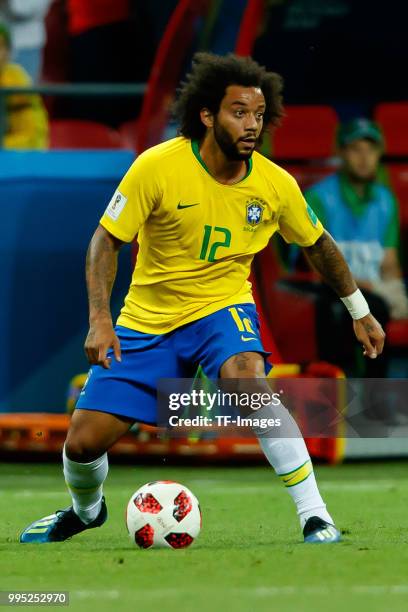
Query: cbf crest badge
pixel 254 212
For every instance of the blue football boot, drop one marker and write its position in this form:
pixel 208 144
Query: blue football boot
pixel 318 531
pixel 60 526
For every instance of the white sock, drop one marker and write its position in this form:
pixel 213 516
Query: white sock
pixel 290 459
pixel 84 482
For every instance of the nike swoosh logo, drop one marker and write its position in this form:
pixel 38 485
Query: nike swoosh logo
pixel 180 206
pixel 286 480
pixel 245 339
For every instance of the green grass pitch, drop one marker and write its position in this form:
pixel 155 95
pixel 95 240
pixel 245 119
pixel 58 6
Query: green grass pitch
pixel 249 555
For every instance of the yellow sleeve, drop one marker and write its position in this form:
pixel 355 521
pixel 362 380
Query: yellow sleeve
pixel 133 201
pixel 297 221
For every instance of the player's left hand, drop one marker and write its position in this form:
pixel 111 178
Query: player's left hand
pixel 371 335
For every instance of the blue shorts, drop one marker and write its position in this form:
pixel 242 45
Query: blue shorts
pixel 128 388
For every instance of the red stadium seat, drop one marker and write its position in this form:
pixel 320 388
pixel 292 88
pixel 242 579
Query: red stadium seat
pixel 166 71
pixel 393 118
pixel 286 315
pixel 252 19
pixel 129 132
pixel 397 333
pixel 55 65
pixel 307 132
pixel 77 134
pixel 307 175
pixel 398 174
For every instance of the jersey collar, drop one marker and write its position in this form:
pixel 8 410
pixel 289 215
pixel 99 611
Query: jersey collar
pixel 196 150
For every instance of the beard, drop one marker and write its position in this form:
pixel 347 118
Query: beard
pixel 227 145
pixel 367 177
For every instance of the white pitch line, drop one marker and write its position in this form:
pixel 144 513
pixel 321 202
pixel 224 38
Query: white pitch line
pixel 113 594
pixel 260 591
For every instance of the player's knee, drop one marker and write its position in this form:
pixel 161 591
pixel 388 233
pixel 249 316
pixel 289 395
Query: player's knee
pixel 82 449
pixel 244 365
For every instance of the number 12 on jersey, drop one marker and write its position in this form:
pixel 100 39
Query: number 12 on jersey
pixel 210 234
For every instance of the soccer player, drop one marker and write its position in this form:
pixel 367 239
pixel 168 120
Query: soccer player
pixel 202 205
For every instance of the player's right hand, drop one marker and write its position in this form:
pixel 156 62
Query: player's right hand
pixel 369 332
pixel 100 338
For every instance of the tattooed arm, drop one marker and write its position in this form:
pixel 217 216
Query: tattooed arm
pixel 101 266
pixel 326 258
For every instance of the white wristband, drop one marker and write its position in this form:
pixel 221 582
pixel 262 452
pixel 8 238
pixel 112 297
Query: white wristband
pixel 356 304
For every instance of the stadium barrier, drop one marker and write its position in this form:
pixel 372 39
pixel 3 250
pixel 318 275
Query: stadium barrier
pixel 44 434
pixel 81 90
pixel 50 204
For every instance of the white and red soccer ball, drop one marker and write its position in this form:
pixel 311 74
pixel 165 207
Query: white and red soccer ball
pixel 163 514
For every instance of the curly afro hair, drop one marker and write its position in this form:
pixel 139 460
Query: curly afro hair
pixel 205 87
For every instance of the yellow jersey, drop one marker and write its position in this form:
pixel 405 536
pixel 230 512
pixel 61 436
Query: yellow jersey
pixel 197 237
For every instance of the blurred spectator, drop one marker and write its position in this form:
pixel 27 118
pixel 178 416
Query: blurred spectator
pixel 25 120
pixel 26 20
pixel 362 216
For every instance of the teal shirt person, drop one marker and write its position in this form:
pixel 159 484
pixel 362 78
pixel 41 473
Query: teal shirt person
pixel 362 214
pixel 363 224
